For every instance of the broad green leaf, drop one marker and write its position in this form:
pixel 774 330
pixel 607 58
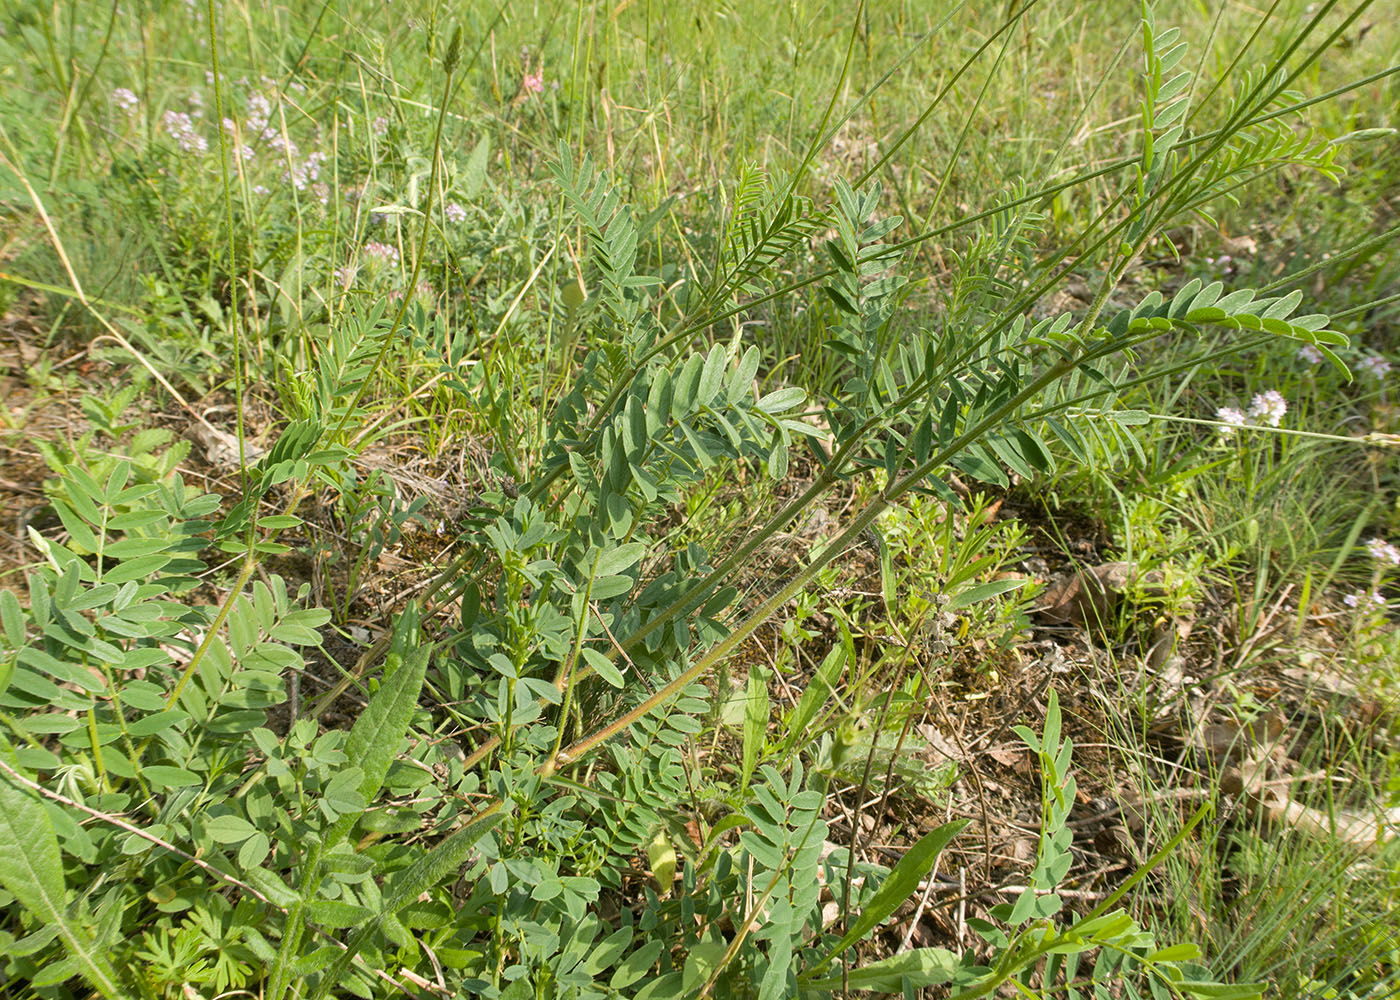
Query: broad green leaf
pixel 156 722
pixel 712 375
pixel 603 955
pixel 1184 952
pixel 61 670
pixel 702 960
pixel 603 667
pixel 896 888
pixel 337 913
pixel 781 399
pixel 615 560
pixel 686 382
pixel 1023 908
pixel 315 961
pixel 11 619
pixel 976 462
pixel 702 454
pixel 636 965
pixel 136 569
pixel 78 529
pixel 165 776
pixel 741 382
pixel 272 886
pixel 230 829
pixel 31 870
pixel 605 587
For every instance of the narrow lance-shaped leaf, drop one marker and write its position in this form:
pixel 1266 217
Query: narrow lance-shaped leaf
pixel 900 884
pixel 31 870
pixel 755 721
pixel 419 877
pixel 917 967
pixel 377 733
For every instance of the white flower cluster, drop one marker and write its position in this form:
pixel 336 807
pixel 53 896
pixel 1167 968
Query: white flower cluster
pixel 1375 366
pixel 1383 552
pixel 1357 598
pixel 259 112
pixel 1269 407
pixel 386 252
pixel 179 127
pixel 126 100
pixel 307 172
pixel 1229 418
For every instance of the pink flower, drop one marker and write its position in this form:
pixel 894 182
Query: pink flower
pixel 259 111
pixel 126 100
pixel 1269 406
pixel 1357 598
pixel 1382 551
pixel 384 252
pixel 454 212
pixel 533 82
pixel 179 127
pixel 1229 418
pixel 1310 354
pixel 1375 366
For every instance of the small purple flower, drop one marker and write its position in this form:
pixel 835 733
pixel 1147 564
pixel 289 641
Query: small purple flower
pixel 307 171
pixel 1268 406
pixel 454 212
pixel 1357 598
pixel 1310 354
pixel 1375 366
pixel 261 190
pixel 1230 418
pixel 126 100
pixel 1382 551
pixel 179 127
pixel 380 127
pixel 259 111
pixel 385 252
pixel 344 275
pixel 533 82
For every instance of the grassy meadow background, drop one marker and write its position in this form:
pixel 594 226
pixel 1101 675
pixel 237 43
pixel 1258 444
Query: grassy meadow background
pixel 369 628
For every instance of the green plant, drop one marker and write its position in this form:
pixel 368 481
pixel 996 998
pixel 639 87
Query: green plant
pixel 485 818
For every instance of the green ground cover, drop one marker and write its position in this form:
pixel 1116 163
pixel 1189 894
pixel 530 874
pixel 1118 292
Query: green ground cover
pixel 699 499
